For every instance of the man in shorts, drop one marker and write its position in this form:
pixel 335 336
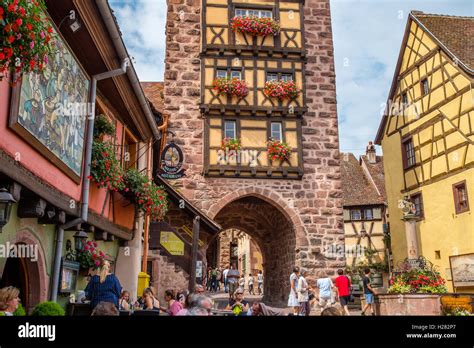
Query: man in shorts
pixel 343 286
pixel 368 292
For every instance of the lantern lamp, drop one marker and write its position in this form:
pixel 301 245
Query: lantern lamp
pixel 79 238
pixel 6 204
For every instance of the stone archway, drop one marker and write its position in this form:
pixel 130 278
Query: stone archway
pixel 275 233
pixel 38 279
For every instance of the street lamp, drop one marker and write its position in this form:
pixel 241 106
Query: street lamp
pixel 6 204
pixel 79 238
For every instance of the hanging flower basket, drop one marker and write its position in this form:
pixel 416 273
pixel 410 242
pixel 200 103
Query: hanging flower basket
pixel 234 87
pixel 27 38
pixel 90 256
pixel 106 170
pixel 278 151
pixel 255 26
pixel 149 197
pixel 281 90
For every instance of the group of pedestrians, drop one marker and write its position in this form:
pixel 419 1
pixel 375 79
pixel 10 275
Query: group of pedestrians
pixel 339 289
pixel 232 279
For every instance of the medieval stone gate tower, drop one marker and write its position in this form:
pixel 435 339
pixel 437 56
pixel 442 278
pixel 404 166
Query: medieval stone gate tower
pixel 291 208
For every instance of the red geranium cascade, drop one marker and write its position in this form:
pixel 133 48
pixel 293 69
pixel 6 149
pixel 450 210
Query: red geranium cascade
pixel 234 86
pixel 278 150
pixel 255 26
pixel 26 37
pixel 281 90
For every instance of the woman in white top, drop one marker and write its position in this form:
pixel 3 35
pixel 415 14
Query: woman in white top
pixel 9 300
pixel 303 294
pixel 260 282
pixel 293 298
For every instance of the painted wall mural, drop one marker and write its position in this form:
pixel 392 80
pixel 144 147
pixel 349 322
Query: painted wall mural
pixel 52 109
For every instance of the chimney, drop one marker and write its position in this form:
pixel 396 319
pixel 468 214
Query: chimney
pixel 371 153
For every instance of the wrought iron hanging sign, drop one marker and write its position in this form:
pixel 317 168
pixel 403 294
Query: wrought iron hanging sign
pixel 172 159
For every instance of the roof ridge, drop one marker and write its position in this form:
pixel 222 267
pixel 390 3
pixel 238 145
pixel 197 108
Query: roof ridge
pixel 423 14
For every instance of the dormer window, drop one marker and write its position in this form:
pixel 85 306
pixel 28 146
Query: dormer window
pixel 243 12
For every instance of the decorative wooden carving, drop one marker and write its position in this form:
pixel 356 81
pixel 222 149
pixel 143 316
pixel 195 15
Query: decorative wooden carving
pixel 31 208
pixel 52 216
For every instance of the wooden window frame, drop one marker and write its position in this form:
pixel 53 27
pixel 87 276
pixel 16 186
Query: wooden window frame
pixel 371 212
pixel 133 163
pixel 458 209
pixel 229 71
pixel 406 164
pixel 281 130
pixel 259 10
pixel 404 98
pixel 224 135
pixel 422 86
pixel 279 74
pixel 413 196
pixel 360 214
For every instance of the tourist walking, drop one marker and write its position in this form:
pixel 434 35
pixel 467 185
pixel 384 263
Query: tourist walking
pixel 368 293
pixel 343 286
pixel 224 274
pixel 242 282
pixel 104 287
pixel 260 282
pixel 250 284
pixel 214 279
pixel 219 279
pixel 9 300
pixel 174 306
pixel 208 278
pixel 303 294
pixel 232 279
pixel 325 287
pixel 293 298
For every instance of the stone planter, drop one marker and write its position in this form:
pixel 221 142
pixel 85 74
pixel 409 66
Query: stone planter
pixel 408 304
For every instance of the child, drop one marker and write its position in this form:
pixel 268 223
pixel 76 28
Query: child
pixel 250 282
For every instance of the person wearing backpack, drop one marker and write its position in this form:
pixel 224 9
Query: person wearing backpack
pixel 343 287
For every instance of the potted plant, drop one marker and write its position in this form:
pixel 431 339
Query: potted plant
pixel 234 87
pixel 90 257
pixel 27 38
pixel 413 291
pixel 255 26
pixel 278 150
pixel 102 126
pixel 281 90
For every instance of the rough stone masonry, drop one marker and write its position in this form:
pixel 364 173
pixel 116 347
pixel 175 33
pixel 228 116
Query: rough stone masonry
pixel 311 207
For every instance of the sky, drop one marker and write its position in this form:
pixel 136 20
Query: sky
pixel 367 38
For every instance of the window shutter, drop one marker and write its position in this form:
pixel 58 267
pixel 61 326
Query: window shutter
pixel 347 215
pixel 377 212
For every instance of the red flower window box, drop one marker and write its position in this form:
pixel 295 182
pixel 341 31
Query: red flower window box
pixel 278 151
pixel 281 90
pixel 234 87
pixel 255 26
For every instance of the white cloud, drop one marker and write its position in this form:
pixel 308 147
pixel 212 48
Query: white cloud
pixel 367 37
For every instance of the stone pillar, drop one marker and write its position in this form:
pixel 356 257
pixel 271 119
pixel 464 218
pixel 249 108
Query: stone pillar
pixel 411 237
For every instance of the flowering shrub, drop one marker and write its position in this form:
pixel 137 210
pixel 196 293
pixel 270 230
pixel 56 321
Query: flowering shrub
pixel 149 197
pixel 234 86
pixel 106 170
pixel 418 281
pixel 278 150
pixel 281 90
pixel 90 256
pixel 102 126
pixel 255 26
pixel 26 38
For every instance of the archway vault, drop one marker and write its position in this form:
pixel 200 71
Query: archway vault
pixel 274 231
pixel 271 198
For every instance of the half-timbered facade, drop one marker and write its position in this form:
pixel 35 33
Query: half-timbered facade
pixel 427 137
pixel 255 118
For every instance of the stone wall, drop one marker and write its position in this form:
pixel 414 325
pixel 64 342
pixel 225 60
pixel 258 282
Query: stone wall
pixel 225 238
pixel 312 206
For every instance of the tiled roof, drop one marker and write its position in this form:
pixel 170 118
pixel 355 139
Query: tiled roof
pixel 456 33
pixel 357 189
pixel 154 93
pixel 376 173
